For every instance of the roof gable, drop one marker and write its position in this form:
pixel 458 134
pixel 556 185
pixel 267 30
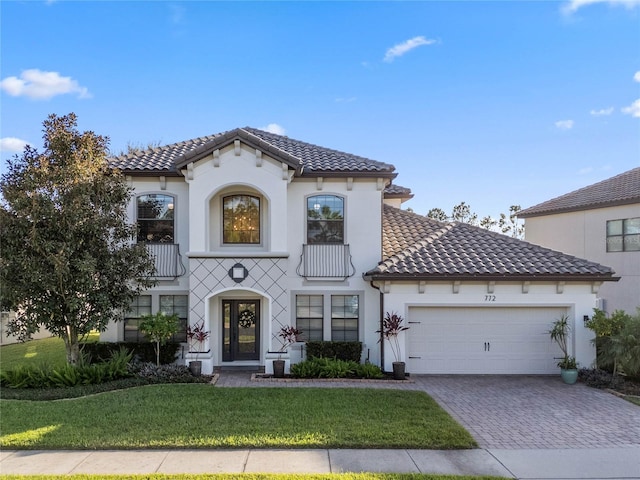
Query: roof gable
pixel 622 189
pixel 419 247
pixel 307 159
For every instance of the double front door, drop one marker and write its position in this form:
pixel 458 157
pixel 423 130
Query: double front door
pixel 241 330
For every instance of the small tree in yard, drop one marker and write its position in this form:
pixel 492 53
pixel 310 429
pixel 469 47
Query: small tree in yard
pixel 68 261
pixel 159 328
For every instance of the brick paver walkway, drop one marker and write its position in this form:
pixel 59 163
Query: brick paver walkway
pixel 511 412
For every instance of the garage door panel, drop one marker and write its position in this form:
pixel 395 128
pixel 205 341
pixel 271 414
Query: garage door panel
pixel 491 340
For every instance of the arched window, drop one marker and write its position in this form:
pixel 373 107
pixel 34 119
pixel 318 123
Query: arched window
pixel 155 218
pixel 325 219
pixel 241 219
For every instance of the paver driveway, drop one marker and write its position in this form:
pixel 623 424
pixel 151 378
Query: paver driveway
pixel 511 412
pixel 534 411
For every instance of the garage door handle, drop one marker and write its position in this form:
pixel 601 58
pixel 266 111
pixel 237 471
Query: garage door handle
pixel 487 346
pixel 414 357
pixel 415 322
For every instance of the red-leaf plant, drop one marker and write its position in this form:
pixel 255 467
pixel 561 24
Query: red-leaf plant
pixel 197 335
pixel 288 335
pixel 391 328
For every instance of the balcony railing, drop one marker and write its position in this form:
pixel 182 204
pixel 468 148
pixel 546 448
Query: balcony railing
pixel 167 259
pixel 326 260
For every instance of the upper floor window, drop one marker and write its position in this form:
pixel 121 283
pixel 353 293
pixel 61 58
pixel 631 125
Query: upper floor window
pixel 241 219
pixel 623 235
pixel 155 218
pixel 325 219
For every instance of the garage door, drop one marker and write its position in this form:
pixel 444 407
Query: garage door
pixel 482 340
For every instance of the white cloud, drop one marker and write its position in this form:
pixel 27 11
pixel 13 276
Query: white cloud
pixel 636 77
pixel 564 124
pixel 40 85
pixel 584 171
pixel 573 6
pixel 402 48
pixel 602 112
pixel 633 109
pixel 274 128
pixel 12 144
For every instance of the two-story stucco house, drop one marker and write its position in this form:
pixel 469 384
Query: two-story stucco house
pixel 600 222
pixel 253 231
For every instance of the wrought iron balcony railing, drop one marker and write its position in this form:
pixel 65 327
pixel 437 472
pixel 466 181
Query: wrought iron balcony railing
pixel 167 259
pixel 325 260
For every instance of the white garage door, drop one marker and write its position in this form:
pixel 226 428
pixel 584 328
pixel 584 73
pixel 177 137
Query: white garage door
pixel 482 340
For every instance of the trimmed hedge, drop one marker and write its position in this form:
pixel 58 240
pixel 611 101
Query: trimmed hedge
pixel 142 352
pixel 347 351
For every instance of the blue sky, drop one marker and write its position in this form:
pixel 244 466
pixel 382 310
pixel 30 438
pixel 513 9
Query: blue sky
pixel 492 103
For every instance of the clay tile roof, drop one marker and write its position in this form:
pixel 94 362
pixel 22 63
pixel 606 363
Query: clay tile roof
pixel 396 191
pixel 306 158
pixel 419 247
pixel 622 189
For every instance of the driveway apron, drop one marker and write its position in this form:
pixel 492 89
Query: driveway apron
pixel 534 412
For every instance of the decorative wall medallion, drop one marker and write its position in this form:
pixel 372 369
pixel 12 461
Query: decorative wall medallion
pixel 238 273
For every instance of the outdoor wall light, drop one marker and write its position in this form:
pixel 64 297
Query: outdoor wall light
pixel 585 319
pixel 238 273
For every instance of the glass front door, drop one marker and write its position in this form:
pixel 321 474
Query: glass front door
pixel 241 330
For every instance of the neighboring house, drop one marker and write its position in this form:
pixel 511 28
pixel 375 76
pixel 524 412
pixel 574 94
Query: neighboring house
pixel 600 222
pixel 6 339
pixel 253 231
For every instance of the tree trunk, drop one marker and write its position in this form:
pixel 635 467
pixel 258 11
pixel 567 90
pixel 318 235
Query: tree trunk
pixel 157 354
pixel 71 344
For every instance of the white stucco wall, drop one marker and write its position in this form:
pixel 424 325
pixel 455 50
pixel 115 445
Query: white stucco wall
pixel 577 298
pixel 583 234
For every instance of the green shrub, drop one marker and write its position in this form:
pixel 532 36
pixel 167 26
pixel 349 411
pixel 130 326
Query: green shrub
pixel 142 352
pixel 59 376
pixel 348 351
pixel 334 368
pixel 368 370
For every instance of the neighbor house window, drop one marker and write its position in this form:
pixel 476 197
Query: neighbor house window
pixel 155 218
pixel 176 304
pixel 344 318
pixel 623 235
pixel 140 307
pixel 325 219
pixel 309 317
pixel 241 219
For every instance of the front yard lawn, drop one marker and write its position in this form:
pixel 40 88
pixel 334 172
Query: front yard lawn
pixel 203 416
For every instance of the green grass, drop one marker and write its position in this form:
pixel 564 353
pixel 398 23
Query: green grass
pixel 257 476
pixel 203 416
pixel 632 399
pixel 46 351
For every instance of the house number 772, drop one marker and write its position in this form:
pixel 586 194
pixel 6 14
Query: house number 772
pixel 489 298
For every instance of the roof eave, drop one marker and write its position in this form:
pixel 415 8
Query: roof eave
pixel 347 173
pixel 581 208
pixel 370 276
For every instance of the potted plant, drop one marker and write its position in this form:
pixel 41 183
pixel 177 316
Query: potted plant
pixel 559 333
pixel 196 336
pixel 391 328
pixel 288 335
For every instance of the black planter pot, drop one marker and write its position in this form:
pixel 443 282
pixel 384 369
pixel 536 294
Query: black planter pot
pixel 398 371
pixel 196 368
pixel 278 368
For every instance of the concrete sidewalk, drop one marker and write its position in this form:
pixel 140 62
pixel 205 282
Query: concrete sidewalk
pixel 613 463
